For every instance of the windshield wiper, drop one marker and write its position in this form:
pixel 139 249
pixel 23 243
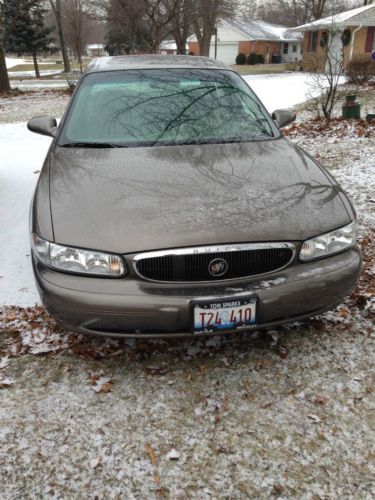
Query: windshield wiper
pixel 91 145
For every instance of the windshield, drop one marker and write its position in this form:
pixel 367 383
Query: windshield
pixel 164 107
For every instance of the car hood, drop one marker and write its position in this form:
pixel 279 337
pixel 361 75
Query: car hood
pixel 137 199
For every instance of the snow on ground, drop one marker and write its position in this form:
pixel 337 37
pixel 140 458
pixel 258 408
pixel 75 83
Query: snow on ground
pixel 11 62
pixel 22 154
pixel 278 91
pixel 39 84
pixel 28 74
pixel 22 107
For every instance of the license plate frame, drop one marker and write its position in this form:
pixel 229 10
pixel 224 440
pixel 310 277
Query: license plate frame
pixel 228 304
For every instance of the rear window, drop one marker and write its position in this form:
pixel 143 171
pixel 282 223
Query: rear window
pixel 165 107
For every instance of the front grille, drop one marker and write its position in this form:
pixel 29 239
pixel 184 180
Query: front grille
pixel 193 265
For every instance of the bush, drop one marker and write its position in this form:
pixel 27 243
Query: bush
pixel 360 69
pixel 252 58
pixel 241 58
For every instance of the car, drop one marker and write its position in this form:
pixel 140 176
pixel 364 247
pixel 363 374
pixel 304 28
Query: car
pixel 171 205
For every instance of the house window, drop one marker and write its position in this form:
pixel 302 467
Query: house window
pixel 294 48
pixel 312 41
pixel 286 48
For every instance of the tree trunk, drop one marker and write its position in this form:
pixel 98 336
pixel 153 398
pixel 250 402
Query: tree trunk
pixel 36 66
pixel 204 44
pixel 181 46
pixel 56 7
pixel 4 79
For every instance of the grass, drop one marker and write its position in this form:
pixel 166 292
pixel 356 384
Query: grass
pixel 257 69
pixel 52 64
pixel 30 67
pixel 262 69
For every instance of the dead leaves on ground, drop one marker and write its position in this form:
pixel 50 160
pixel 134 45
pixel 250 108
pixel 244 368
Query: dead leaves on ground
pixel 151 454
pixel 5 382
pixel 321 400
pixel 336 128
pixel 101 383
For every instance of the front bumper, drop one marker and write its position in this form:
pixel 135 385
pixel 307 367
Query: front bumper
pixel 131 307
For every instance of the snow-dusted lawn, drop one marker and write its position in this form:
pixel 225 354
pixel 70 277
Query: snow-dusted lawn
pixel 31 74
pixel 281 91
pixel 11 62
pixel 22 154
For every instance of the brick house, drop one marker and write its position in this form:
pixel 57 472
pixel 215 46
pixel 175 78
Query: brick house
pixel 235 36
pixel 351 34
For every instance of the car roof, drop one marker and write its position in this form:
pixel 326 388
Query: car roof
pixel 152 61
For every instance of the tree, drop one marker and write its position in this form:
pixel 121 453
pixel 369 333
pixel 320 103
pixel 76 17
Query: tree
pixel 180 24
pixel 205 14
pixel 158 16
pixel 30 35
pixel 296 12
pixel 125 26
pixel 9 12
pixel 57 10
pixel 327 72
pixel 75 25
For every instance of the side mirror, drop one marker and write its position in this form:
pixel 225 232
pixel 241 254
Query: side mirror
pixel 283 117
pixel 43 125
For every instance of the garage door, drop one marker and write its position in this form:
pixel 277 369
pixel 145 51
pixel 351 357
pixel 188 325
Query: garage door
pixel 226 53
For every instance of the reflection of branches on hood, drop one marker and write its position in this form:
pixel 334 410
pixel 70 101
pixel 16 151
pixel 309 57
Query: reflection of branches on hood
pixel 303 188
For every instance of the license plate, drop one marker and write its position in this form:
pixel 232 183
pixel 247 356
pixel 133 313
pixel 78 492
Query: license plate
pixel 226 314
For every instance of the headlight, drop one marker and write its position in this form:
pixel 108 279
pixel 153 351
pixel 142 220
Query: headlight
pixel 75 260
pixel 329 243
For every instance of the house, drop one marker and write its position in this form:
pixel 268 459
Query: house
pixel 351 34
pixel 169 47
pixel 96 50
pixel 235 36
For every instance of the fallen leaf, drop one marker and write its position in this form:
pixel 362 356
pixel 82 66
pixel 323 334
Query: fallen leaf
pixel 173 455
pixel 318 325
pixel 11 316
pixel 321 400
pixel 94 463
pixel 151 455
pixel 202 369
pixel 343 313
pixel 4 362
pixel 282 351
pixel 314 418
pixel 103 384
pixel 278 489
pixel 5 383
pixel 157 370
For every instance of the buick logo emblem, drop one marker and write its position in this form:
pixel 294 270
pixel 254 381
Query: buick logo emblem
pixel 217 267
